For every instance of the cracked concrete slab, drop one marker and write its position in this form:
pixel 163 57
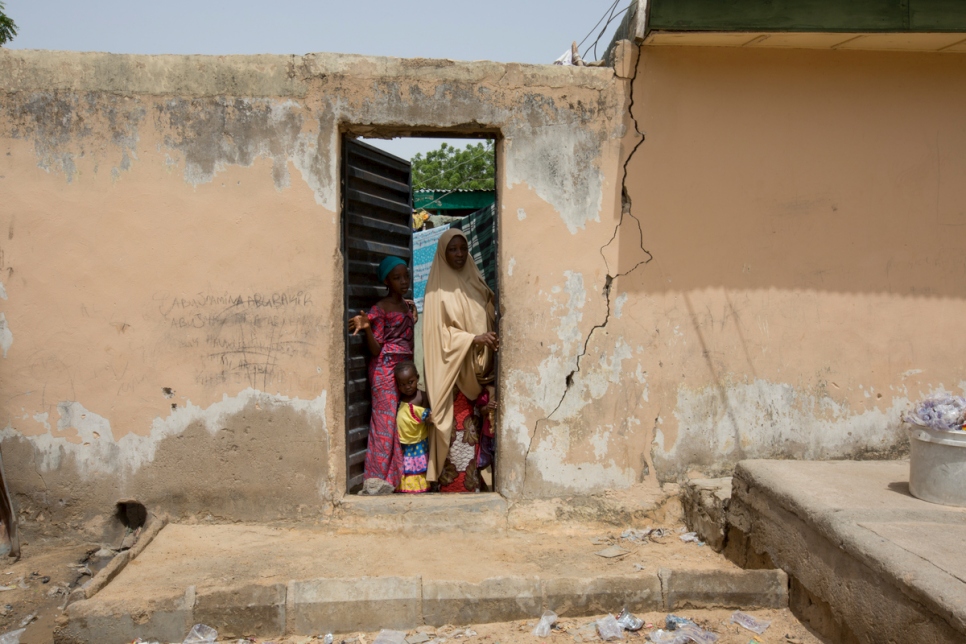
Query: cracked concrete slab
pixel 868 562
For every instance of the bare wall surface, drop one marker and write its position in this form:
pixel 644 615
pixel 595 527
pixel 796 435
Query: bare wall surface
pixel 172 300
pixel 806 218
pixel 782 277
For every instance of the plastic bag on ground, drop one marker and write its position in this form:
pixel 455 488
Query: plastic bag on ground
pixel 697 634
pixel 201 634
pixel 390 637
pixel 628 622
pixel 545 625
pixel 673 622
pixel 608 629
pixel 636 535
pixel 13 637
pixel 661 636
pixel 747 621
pixel 690 536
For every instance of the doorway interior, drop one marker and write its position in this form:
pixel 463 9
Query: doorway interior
pixel 398 196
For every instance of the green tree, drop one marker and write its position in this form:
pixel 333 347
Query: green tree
pixel 450 168
pixel 8 28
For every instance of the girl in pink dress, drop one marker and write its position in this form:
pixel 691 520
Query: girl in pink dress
pixel 389 333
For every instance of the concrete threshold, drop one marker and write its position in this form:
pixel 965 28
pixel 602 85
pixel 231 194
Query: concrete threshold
pixel 867 561
pixel 491 512
pixel 269 582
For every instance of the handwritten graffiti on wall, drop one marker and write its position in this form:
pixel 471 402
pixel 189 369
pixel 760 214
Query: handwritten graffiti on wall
pixel 243 338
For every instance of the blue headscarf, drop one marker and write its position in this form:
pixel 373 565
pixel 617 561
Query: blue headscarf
pixel 386 266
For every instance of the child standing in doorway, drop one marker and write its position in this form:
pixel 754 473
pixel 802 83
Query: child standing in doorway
pixel 412 422
pixel 388 329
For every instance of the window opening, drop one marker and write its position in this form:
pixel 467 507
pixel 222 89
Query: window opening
pixel 399 197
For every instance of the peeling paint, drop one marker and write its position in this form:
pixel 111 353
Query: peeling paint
pixel 619 303
pixel 213 134
pixel 762 419
pixel 6 336
pixel 99 453
pixel 561 164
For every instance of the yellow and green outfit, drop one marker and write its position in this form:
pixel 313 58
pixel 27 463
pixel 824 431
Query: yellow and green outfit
pixel 413 435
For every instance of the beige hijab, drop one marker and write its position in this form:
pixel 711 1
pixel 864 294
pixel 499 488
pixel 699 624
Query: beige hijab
pixel 458 307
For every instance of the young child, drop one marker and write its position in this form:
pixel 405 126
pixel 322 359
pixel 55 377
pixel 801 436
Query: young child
pixel 412 422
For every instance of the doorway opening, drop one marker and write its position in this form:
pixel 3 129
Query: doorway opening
pixel 400 197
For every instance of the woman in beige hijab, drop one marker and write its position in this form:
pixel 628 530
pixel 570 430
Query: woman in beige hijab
pixel 458 345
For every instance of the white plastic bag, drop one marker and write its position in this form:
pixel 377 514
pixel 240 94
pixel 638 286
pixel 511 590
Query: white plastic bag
pixel 747 621
pixel 628 622
pixel 608 629
pixel 697 634
pixel 545 625
pixel 661 636
pixel 201 634
pixel 13 637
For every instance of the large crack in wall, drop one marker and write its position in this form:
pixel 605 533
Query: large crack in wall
pixel 611 276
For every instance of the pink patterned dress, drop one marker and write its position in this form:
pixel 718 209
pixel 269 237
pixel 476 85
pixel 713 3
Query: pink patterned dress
pixel 394 331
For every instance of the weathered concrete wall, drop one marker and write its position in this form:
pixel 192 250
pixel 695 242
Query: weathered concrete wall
pixel 172 223
pixel 172 303
pixel 806 217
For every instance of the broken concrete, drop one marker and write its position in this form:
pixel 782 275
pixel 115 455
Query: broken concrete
pixel 705 504
pixel 868 562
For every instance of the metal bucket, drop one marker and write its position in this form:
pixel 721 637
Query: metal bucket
pixel 937 465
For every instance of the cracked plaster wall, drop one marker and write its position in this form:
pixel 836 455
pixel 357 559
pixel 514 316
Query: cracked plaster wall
pixel 807 281
pixel 172 325
pixel 172 238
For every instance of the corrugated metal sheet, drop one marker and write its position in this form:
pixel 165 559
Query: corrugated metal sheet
pixel 376 222
pixel 440 200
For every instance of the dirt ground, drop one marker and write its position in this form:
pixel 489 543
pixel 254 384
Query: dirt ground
pixel 784 629
pixel 39 603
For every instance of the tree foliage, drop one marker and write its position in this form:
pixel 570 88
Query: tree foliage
pixel 8 28
pixel 450 168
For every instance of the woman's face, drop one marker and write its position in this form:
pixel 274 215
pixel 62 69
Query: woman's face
pixel 456 253
pixel 398 280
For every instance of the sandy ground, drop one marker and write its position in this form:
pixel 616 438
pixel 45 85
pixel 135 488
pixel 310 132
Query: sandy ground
pixel 41 557
pixel 219 555
pixel 784 629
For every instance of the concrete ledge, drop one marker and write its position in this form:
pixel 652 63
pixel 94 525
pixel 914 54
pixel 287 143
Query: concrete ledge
pixel 747 589
pixel 345 605
pixel 500 599
pixel 869 563
pixel 579 597
pixel 97 622
pixel 372 603
pixel 238 612
pixel 416 514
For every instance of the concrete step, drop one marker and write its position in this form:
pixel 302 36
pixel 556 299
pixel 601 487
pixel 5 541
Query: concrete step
pixel 270 581
pixel 867 562
pixel 491 512
pixel 314 606
pixel 465 512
